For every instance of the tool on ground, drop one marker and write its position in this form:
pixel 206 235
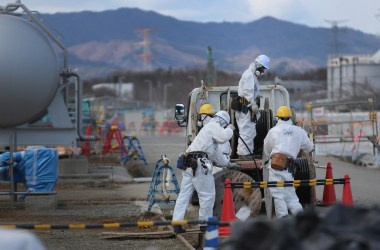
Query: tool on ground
pixel 132 150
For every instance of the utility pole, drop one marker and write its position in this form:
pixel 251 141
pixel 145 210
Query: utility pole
pixel 355 61
pixel 166 85
pixel 211 74
pixel 341 59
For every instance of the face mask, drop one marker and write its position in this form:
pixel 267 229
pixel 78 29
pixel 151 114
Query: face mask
pixel 201 119
pixel 260 71
pixel 222 123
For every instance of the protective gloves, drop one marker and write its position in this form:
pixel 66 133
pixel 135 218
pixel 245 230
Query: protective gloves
pixel 254 108
pixel 206 165
pixel 231 126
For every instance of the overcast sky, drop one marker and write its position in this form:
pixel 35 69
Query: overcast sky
pixel 363 15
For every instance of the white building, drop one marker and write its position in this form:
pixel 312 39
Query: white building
pixel 353 76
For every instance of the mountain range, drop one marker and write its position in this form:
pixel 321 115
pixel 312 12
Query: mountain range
pixel 100 43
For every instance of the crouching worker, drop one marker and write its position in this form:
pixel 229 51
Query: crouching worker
pixel 197 170
pixel 283 143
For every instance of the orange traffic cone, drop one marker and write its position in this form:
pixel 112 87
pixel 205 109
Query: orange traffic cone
pixel 347 194
pixel 228 209
pixel 329 197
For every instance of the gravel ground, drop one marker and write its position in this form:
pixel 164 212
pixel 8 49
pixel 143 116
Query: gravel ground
pixel 90 212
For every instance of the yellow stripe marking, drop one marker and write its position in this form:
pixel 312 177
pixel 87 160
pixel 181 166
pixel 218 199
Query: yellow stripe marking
pixel 179 222
pixel 111 225
pixel 280 184
pixel 8 226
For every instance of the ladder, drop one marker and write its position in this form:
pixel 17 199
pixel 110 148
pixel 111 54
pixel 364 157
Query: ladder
pixel 164 182
pixel 113 134
pixel 131 150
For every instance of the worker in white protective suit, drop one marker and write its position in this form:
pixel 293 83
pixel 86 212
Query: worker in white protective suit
pixel 206 112
pixel 197 174
pixel 282 144
pixel 247 112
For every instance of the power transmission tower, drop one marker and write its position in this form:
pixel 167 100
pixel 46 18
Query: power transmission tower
pixel 335 41
pixel 146 56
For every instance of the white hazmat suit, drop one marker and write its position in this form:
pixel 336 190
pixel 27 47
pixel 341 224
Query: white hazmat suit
pixel 249 89
pixel 288 139
pixel 206 141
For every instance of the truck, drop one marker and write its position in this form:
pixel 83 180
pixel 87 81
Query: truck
pixel 247 202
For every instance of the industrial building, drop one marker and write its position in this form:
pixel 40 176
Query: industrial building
pixel 351 76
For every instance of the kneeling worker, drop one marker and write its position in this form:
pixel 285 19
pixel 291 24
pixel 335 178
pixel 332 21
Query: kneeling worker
pixel 197 172
pixel 283 143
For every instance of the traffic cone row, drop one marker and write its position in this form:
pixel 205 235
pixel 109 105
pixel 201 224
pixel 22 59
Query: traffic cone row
pixel 329 197
pixel 347 194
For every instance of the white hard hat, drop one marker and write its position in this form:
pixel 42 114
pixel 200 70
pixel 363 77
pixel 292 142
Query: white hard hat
pixel 224 115
pixel 263 60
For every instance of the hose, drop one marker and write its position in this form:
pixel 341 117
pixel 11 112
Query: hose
pixel 251 153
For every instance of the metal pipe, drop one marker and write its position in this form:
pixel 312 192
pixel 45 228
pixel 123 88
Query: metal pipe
pixel 12 149
pixel 78 99
pixel 28 193
pixel 315 105
pixel 341 122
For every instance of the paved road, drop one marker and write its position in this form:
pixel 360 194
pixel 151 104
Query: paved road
pixel 155 146
pixel 365 182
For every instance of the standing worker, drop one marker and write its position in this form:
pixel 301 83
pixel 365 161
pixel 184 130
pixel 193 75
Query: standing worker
pixel 197 170
pixel 283 143
pixel 248 112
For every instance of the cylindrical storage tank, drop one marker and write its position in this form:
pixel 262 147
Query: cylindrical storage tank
pixel 29 71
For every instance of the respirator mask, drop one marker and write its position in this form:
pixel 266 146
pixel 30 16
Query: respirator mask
pixel 201 118
pixel 260 70
pixel 222 122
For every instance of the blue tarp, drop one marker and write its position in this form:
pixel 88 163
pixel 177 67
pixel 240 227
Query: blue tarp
pixel 38 168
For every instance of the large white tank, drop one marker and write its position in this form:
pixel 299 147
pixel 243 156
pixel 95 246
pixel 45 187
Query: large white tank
pixel 29 71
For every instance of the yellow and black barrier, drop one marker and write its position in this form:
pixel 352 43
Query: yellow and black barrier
pixel 295 183
pixel 112 225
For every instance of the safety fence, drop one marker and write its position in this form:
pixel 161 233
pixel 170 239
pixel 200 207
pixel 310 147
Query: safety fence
pixel 142 224
pixel 295 183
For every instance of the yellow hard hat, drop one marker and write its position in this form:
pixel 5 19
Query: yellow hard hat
pixel 207 109
pixel 284 112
